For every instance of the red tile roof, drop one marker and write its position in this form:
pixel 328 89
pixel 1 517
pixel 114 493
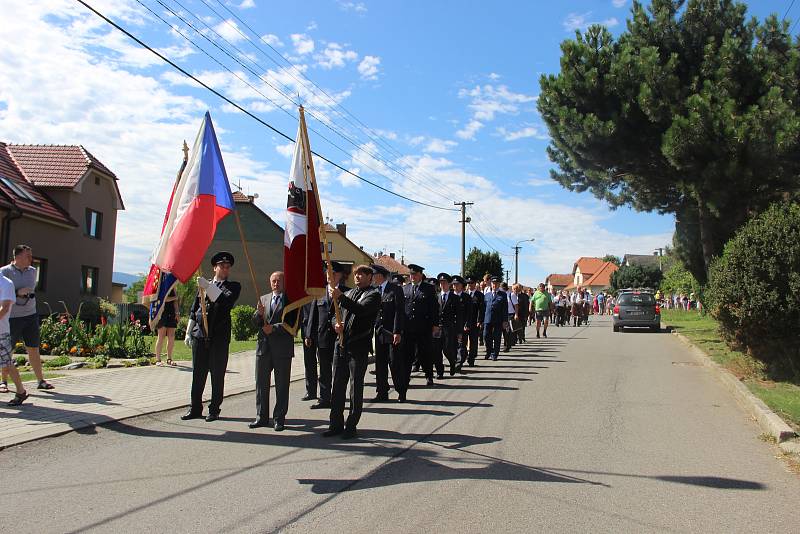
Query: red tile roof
pixel 40 204
pixel 55 165
pixel 392 264
pixel 238 196
pixel 588 266
pixel 560 279
pixel 603 276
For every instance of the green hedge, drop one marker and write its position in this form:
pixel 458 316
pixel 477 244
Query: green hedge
pixel 754 289
pixel 241 326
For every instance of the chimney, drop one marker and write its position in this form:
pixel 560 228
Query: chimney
pixel 391 255
pixel 341 228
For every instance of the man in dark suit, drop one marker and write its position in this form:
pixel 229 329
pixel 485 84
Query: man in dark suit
pixel 210 349
pixel 522 313
pixel 451 324
pixel 459 284
pixel 274 353
pixel 319 328
pixel 388 336
pixel 309 354
pixel 422 321
pixel 360 307
pixel 495 320
pixel 474 322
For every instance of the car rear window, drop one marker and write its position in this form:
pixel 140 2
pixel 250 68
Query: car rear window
pixel 628 299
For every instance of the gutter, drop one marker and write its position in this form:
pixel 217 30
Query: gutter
pixel 5 233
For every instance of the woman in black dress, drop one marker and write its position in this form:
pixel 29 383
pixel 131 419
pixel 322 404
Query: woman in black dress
pixel 166 328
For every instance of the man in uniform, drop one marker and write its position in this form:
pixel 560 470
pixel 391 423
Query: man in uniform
pixel 474 320
pixel 495 320
pixel 388 334
pixel 210 349
pixel 523 311
pixel 422 317
pixel 309 354
pixel 451 324
pixel 465 304
pixel 360 307
pixel 274 353
pixel 319 328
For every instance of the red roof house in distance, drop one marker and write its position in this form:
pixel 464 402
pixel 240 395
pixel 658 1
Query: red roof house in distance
pixel 585 268
pixel 558 281
pixel 389 261
pixel 63 202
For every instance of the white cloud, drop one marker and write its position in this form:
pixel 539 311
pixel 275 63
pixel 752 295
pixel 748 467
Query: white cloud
pixel 335 56
pixel 229 30
pixel 414 141
pixel 247 4
pixel 619 3
pixel 468 132
pixel 357 7
pixel 368 68
pixel 303 44
pixel 523 133
pixel 494 76
pixel 312 26
pixel 581 21
pixel 286 150
pixel 540 182
pixel 440 146
pixel 348 180
pixel 488 101
pixel 272 40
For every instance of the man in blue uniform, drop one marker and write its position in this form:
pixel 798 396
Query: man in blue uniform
pixel 474 320
pixel 451 324
pixel 389 326
pixel 422 318
pixel 495 319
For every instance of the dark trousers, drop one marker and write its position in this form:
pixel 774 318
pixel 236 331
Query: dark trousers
pixel 447 347
pixel 325 357
pixel 472 348
pixel 388 358
pixel 208 357
pixel 266 364
pixel 492 332
pixel 418 346
pixel 348 367
pixel 523 319
pixel 310 364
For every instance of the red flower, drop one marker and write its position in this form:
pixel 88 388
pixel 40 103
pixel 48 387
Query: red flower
pixel 132 317
pixel 103 320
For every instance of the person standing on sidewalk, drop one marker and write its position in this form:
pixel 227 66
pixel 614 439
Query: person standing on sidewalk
pixel 7 299
pixel 542 304
pixel 210 349
pixel 360 308
pixel 274 354
pixel 24 319
pixel 166 328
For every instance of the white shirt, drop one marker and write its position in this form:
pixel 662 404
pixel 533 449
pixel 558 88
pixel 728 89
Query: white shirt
pixel 7 293
pixel 513 300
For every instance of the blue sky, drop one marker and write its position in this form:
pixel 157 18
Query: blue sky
pixel 450 86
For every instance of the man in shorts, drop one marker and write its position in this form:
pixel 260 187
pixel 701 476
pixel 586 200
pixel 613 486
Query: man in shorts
pixel 24 319
pixel 6 347
pixel 541 306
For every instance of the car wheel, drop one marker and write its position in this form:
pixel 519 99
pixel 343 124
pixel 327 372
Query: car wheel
pixel 655 329
pixel 616 328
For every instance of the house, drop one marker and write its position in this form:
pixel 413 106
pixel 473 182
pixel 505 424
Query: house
pixel 63 202
pixel 643 260
pixel 341 249
pixel 592 273
pixel 601 280
pixel 264 238
pixel 391 264
pixel 557 281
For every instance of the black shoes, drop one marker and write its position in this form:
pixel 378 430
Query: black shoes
pixel 452 370
pixel 309 397
pixel 349 433
pixel 212 416
pixel 537 335
pixel 401 397
pixel 332 432
pixel 380 398
pixel 321 406
pixel 260 423
pixel 429 382
pixel 279 426
pixel 191 415
pixel 544 334
pixel 487 357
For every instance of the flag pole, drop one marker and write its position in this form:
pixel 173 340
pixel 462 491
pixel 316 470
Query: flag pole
pixel 322 232
pixel 246 252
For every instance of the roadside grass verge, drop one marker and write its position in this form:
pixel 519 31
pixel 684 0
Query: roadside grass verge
pixel 702 330
pixel 184 353
pixel 28 376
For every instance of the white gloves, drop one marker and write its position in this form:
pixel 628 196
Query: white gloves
pixel 212 291
pixel 189 328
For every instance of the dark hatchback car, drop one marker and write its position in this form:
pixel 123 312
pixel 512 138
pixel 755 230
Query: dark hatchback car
pixel 637 308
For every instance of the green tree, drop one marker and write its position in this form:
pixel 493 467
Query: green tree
pixel 479 263
pixel 186 292
pixel 677 279
pixel 132 291
pixel 636 276
pixel 692 111
pixel 613 259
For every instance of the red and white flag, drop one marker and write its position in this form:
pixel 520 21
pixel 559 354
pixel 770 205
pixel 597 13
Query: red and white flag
pixel 304 279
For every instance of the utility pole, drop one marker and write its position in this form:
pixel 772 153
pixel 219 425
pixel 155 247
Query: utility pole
pixel 464 220
pixel 659 252
pixel 516 258
pixel 507 274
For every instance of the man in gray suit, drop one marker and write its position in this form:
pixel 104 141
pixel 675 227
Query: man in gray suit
pixel 273 354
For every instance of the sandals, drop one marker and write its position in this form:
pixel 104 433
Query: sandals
pixel 171 363
pixel 44 384
pixel 4 387
pixel 159 363
pixel 18 399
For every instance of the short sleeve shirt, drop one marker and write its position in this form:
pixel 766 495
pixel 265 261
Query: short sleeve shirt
pixel 513 300
pixel 19 279
pixel 541 301
pixel 7 293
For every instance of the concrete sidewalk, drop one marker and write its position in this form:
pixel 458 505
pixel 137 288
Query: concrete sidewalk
pixel 88 399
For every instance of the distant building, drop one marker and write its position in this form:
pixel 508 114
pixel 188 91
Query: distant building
pixel 558 281
pixel 63 202
pixel 341 249
pixel 390 262
pixel 643 260
pixel 592 273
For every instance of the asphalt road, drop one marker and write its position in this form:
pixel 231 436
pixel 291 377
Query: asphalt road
pixel 585 431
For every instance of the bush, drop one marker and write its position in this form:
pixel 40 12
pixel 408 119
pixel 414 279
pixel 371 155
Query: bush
pixel 180 330
pixel 635 276
pixel 19 348
pixel 241 327
pixel 754 290
pixel 58 361
pixel 19 361
pixel 97 362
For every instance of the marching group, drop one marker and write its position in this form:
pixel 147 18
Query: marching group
pixel 433 325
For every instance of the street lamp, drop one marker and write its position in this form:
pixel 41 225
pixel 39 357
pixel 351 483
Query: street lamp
pixel 516 258
pixel 659 252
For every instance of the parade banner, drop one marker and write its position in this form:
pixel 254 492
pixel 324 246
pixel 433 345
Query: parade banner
pixel 200 199
pixel 302 252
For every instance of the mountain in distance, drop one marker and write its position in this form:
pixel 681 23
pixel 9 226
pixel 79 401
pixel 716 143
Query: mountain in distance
pixel 124 278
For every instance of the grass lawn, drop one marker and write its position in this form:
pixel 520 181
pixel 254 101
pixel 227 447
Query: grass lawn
pixel 28 376
pixel 182 352
pixel 782 397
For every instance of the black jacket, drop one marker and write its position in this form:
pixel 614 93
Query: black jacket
pixel 477 309
pixel 422 307
pixel 359 310
pixel 391 317
pixel 218 313
pixel 319 325
pixel 451 313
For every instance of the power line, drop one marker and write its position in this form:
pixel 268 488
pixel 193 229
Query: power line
pixel 788 9
pixel 245 111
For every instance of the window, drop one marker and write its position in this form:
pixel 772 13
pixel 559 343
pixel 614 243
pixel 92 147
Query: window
pixel 40 264
pixel 90 277
pixel 633 299
pixel 17 190
pixel 330 247
pixel 94 223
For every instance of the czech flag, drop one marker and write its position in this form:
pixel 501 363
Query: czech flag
pixel 200 199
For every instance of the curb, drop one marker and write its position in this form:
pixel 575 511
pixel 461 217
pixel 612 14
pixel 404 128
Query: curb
pixel 768 420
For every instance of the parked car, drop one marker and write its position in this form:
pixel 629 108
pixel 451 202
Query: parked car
pixel 637 308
